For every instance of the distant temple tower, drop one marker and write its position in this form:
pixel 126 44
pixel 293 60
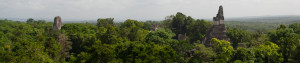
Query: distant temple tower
pixel 218 30
pixel 219 19
pixel 57 23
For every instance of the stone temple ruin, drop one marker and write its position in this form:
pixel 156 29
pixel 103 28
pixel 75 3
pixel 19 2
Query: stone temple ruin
pixel 57 23
pixel 218 30
pixel 154 27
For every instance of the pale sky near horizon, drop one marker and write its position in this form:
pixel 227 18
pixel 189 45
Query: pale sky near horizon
pixel 143 9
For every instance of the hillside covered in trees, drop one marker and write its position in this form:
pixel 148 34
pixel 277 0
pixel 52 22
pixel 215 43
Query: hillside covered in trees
pixel 132 41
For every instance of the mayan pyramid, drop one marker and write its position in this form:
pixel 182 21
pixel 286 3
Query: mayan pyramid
pixel 218 30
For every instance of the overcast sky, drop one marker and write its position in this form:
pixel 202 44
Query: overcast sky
pixel 143 9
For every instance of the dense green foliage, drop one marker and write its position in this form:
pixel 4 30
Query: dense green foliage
pixel 30 42
pixel 236 36
pixel 223 48
pixel 132 41
pixel 105 22
pixel 188 26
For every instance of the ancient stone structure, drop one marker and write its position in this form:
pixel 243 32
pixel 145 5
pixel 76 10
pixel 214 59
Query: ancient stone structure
pixel 154 27
pixel 181 37
pixel 218 30
pixel 219 19
pixel 57 23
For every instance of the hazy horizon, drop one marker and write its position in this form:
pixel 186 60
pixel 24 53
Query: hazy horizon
pixel 143 9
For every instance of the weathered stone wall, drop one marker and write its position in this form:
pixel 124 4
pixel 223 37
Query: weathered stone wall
pixel 221 21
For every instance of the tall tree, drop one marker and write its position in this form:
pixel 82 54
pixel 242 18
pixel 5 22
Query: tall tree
pixel 187 23
pixel 203 54
pixel 104 22
pixel 243 54
pixel 223 50
pixel 30 20
pixel 182 24
pixel 178 23
pixel 168 21
pixel 161 37
pixel 198 30
pixel 295 27
pixel 286 39
pixel 267 53
pixel 236 36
